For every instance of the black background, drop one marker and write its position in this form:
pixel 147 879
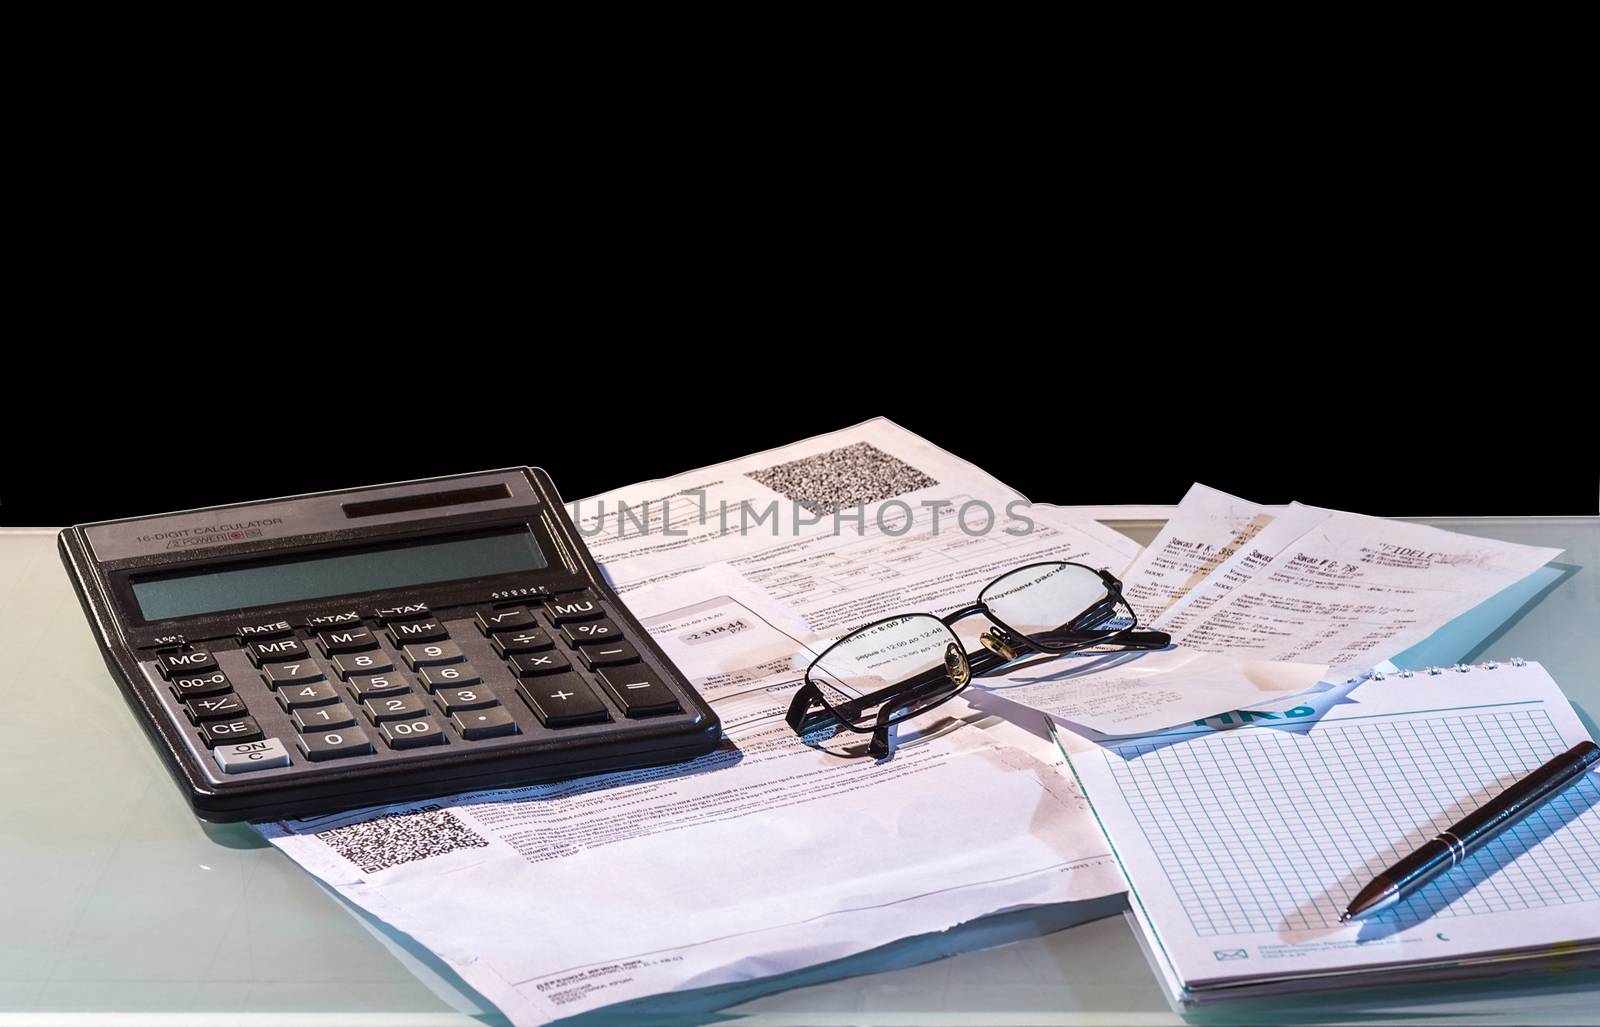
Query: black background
pixel 1078 436
pixel 1389 328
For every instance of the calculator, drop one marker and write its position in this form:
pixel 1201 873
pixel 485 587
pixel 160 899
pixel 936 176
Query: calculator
pixel 306 655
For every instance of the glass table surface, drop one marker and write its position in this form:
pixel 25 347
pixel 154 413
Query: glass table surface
pixel 119 906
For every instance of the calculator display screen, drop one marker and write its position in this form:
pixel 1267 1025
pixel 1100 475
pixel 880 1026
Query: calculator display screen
pixel 341 572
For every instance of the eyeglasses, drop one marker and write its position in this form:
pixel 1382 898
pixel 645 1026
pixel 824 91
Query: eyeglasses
pixel 896 668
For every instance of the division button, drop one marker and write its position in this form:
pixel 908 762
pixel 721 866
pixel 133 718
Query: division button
pixel 590 632
pixel 221 732
pixel 217 707
pixel 417 631
pixel 579 607
pixel 214 683
pixel 276 651
pixel 432 654
pixel 485 723
pixel 332 745
pixel 562 700
pixel 347 640
pixel 608 655
pixel 322 718
pixel 411 734
pixel 375 686
pixel 491 621
pixel 293 697
pixel 639 691
pixel 296 672
pixel 396 707
pixel 528 640
pixel 243 757
pixel 453 676
pixel 529 665
pixel 348 664
pixel 189 664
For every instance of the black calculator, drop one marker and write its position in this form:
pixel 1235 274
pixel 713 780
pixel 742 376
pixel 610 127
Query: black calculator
pixel 323 652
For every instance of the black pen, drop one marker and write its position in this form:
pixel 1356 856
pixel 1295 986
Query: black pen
pixel 1445 850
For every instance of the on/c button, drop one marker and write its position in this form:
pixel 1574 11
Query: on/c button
pixel 638 691
pixel 243 757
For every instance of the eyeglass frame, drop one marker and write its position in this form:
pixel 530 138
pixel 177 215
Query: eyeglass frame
pixel 999 650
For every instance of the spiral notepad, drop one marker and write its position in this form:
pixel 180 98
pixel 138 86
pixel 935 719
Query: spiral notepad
pixel 1242 844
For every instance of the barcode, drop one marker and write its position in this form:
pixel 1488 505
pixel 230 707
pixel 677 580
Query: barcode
pixel 396 838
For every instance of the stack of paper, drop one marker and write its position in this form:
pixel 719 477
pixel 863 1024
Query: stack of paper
pixel 770 855
pixel 1243 844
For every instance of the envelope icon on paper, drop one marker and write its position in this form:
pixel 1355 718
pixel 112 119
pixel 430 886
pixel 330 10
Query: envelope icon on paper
pixel 1223 954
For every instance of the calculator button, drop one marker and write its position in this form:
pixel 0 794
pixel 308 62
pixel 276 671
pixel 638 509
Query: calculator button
pixel 396 707
pixel 590 632
pixel 186 687
pixel 529 640
pixel 452 699
pixel 454 676
pixel 246 633
pixel 432 654
pixel 578 607
pixel 299 672
pixel 527 665
pixel 405 611
pixel 292 697
pixel 492 621
pixel 349 664
pixel 638 691
pixel 376 686
pixel 331 745
pixel 320 718
pixel 608 655
pixel 221 732
pixel 562 701
pixel 243 757
pixel 411 734
pixel 485 723
pixel 217 707
pixel 323 621
pixel 417 631
pixel 346 640
pixel 276 651
pixel 199 661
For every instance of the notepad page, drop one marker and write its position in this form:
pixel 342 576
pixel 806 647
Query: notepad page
pixel 1244 840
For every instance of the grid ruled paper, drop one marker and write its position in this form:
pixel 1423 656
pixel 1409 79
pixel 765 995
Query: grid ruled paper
pixel 1288 812
pixel 1242 845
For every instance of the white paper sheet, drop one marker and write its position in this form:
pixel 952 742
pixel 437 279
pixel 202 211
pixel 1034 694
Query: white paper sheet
pixel 920 530
pixel 763 857
pixel 1355 590
pixel 1208 527
pixel 1128 693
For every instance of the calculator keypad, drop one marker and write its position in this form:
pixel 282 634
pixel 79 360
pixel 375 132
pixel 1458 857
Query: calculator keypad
pixel 352 684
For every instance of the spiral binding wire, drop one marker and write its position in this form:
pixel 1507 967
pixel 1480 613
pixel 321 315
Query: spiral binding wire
pixel 1460 668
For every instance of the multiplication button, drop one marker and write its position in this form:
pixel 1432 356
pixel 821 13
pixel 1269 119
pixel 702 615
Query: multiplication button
pixel 530 665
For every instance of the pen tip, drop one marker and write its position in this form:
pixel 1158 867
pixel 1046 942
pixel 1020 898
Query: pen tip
pixel 1344 918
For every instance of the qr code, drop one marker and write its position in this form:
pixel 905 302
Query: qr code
pixel 387 841
pixel 842 478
